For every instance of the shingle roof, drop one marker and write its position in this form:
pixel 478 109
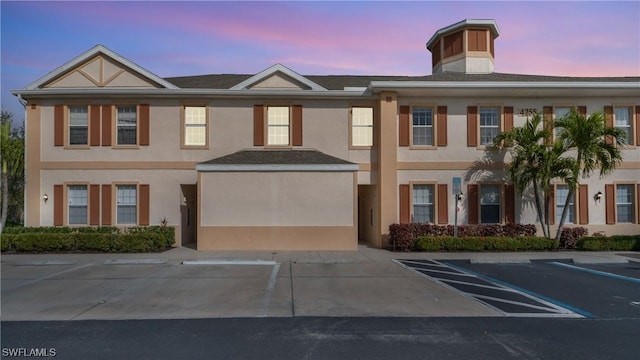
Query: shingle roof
pixel 278 157
pixel 339 82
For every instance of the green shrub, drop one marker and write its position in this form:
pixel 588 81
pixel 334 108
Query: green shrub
pixel 473 243
pixel 615 242
pixel 167 232
pixel 6 242
pixel 41 242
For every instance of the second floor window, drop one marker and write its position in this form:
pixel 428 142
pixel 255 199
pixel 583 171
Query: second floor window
pixel 195 126
pixel 78 125
pixel 362 126
pixel 278 125
pixel 423 199
pixel 558 113
pixel 489 124
pixel 623 122
pixel 127 125
pixel 422 126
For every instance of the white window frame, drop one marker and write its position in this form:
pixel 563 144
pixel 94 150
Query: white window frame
pixel 74 116
pixel 124 124
pixel 428 203
pixel 124 200
pixel 195 126
pixel 486 201
pixel 362 126
pixel 560 200
pixel 630 204
pixel 428 111
pixel 486 113
pixel 628 127
pixel 278 130
pixel 75 202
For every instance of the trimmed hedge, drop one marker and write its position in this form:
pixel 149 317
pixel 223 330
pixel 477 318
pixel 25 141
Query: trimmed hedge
pixel 105 239
pixel 610 243
pixel 403 236
pixel 474 243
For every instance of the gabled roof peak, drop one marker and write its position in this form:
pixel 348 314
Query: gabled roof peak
pixel 272 70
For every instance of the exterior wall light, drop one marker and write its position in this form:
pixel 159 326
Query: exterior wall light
pixel 45 197
pixel 598 196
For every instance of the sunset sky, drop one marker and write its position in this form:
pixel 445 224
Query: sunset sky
pixel 573 38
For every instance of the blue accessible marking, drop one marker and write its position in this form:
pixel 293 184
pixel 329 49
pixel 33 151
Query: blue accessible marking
pixel 525 291
pixel 597 272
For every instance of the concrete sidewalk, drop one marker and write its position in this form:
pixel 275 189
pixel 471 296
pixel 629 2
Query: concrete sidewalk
pixel 184 283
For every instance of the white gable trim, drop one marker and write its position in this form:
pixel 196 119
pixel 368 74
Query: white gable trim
pixel 273 70
pixel 98 49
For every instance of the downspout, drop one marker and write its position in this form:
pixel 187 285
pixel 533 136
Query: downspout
pixel 24 200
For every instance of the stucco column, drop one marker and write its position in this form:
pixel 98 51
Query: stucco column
pixel 387 142
pixel 33 197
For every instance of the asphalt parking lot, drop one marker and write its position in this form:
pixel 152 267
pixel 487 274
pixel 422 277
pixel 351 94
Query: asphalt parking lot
pixel 542 288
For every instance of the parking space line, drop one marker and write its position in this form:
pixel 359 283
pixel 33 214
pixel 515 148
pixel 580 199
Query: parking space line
pixel 597 272
pixel 268 292
pixel 543 299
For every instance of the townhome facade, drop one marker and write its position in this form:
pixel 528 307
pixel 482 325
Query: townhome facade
pixel 283 161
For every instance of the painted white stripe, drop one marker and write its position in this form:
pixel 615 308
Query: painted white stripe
pixel 430 263
pixel 48 276
pixel 456 273
pixel 519 303
pixel 268 292
pixel 228 262
pixel 479 285
pixel 134 261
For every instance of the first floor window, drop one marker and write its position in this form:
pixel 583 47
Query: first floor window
pixel 126 204
pixel 195 126
pixel 489 124
pixel 562 191
pixel 623 122
pixel 278 125
pixel 422 126
pixel 490 204
pixel 362 126
pixel 127 125
pixel 423 196
pixel 624 203
pixel 77 195
pixel 78 125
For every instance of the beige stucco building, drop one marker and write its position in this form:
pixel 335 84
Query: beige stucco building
pixel 279 160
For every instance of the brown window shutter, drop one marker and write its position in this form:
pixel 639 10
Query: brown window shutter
pixel 94 114
pixel 583 204
pixel 405 204
pixel 258 125
pixel 638 203
pixel 106 204
pixel 608 121
pixel 547 122
pixel 144 204
pixel 403 126
pixel 296 125
pixel 637 126
pixel 144 124
pixel 509 204
pixel 610 203
pixel 58 125
pixel 582 110
pixel 472 203
pixel 106 125
pixel 58 205
pixel 443 204
pixel 472 126
pixel 508 118
pixel 552 205
pixel 94 205
pixel 442 126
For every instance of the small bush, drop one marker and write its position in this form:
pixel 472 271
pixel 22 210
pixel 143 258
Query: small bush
pixel 570 236
pixel 611 243
pixel 447 243
pixel 167 232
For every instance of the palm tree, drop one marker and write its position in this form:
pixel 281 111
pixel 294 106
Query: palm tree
pixel 596 146
pixel 11 159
